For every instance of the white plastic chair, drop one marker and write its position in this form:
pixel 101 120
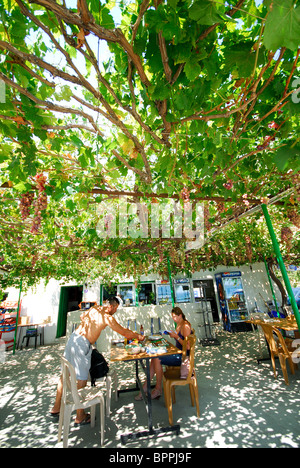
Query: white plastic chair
pixel 74 399
pixel 158 330
pixel 132 323
pixel 110 380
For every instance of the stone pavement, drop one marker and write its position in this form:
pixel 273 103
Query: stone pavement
pixel 241 404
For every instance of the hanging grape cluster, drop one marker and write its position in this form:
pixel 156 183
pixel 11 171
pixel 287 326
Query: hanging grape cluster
pixel 185 195
pixel 207 224
pixel 220 206
pixel 296 181
pixel 40 203
pixel 286 237
pixel 25 204
pixel 249 252
pixel 294 217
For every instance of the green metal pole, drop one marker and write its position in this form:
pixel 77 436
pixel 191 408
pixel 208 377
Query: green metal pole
pixel 136 297
pixel 17 318
pixel 170 279
pixel 101 294
pixel 272 289
pixel 281 264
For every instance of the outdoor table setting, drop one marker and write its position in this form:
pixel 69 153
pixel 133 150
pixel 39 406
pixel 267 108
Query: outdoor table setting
pixel 27 327
pixel 287 324
pixel 141 353
pixel 36 327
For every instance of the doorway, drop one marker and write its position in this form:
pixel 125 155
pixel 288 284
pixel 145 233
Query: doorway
pixel 70 298
pixel 208 285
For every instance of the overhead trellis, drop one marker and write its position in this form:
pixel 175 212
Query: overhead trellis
pixel 151 100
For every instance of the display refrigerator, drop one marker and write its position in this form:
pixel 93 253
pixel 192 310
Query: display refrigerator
pixel 232 301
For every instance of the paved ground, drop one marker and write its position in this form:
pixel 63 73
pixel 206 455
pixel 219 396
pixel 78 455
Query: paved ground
pixel 241 403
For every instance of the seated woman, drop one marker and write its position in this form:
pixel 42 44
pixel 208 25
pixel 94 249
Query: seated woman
pixel 183 329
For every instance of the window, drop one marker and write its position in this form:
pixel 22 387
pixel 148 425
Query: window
pixel 146 294
pixel 164 295
pixel 182 291
pixel 108 292
pixel 127 293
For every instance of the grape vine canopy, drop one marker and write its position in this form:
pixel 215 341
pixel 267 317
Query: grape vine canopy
pixel 183 99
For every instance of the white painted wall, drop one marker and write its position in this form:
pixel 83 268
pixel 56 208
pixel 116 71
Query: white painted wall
pixel 143 317
pixel 255 283
pixel 42 301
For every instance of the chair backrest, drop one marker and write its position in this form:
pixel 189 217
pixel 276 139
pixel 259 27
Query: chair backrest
pixel 269 331
pixel 189 343
pixel 132 323
pixel 152 319
pixel 31 332
pixel 69 381
pixel 74 325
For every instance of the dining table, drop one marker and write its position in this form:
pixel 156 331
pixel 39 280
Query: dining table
pixel 152 347
pixel 288 324
pixel 26 326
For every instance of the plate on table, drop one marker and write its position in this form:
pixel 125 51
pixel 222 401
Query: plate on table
pixel 155 337
pixel 161 350
pixel 115 342
pixel 133 349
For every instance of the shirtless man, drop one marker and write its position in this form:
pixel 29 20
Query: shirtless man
pixel 79 347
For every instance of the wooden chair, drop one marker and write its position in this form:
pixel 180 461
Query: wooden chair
pixel 73 399
pixel 278 348
pixel 171 378
pixel 174 368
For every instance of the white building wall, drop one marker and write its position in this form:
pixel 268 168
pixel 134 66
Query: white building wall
pixel 42 301
pixel 255 282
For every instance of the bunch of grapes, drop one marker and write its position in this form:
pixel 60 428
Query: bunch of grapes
pixel 40 204
pixel 207 224
pixel 34 259
pixel 216 248
pixel 294 217
pixel 108 220
pixel 245 201
pixel 286 237
pixel 173 255
pixel 209 253
pixel 106 253
pixel 114 261
pixel 296 181
pixel 40 182
pixel 248 248
pixel 160 253
pixel 220 206
pixel 25 204
pixel 229 184
pixel 185 195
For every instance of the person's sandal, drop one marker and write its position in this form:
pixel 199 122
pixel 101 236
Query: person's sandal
pixel 86 420
pixel 139 397
pixel 155 394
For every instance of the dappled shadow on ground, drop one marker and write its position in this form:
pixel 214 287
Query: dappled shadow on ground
pixel 241 403
pixel 28 380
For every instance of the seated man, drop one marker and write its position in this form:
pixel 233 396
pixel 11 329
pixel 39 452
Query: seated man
pixel 79 347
